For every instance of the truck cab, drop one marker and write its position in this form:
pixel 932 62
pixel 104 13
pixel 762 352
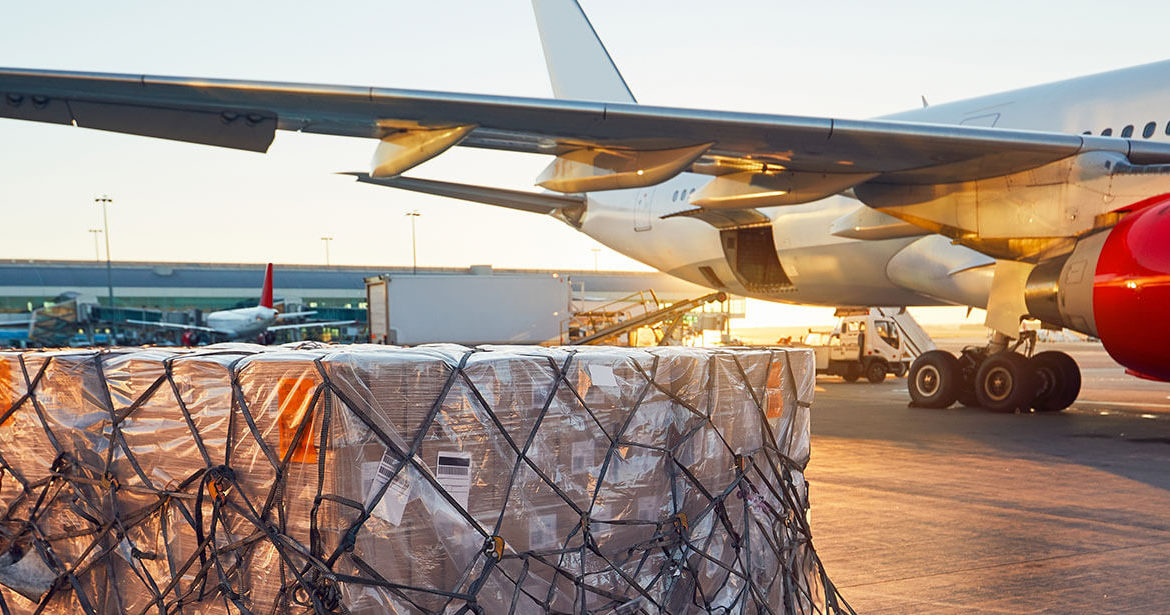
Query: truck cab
pixel 869 343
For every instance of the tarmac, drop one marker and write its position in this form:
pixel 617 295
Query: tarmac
pixel 967 511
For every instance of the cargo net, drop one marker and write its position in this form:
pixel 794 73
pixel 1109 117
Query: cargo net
pixel 437 479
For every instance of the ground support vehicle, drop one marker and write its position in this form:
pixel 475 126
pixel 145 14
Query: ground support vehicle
pixel 869 343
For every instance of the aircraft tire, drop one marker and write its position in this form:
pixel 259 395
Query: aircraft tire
pixel 875 371
pixel 1059 381
pixel 934 380
pixel 1005 382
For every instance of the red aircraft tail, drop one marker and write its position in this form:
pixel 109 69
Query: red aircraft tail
pixel 266 293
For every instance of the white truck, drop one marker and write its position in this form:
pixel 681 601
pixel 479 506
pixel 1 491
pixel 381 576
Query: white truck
pixel 869 342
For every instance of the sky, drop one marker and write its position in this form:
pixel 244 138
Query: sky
pixel 175 201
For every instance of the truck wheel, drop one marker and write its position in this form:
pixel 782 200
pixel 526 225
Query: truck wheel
pixel 1059 381
pixel 852 372
pixel 1005 381
pixel 900 369
pixel 934 380
pixel 875 371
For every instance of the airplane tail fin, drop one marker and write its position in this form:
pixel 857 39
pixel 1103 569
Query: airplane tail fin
pixel 578 64
pixel 266 292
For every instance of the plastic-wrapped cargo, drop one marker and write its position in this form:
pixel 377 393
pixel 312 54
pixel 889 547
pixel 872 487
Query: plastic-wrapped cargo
pixel 436 479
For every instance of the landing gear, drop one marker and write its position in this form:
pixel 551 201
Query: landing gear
pixel 934 380
pixel 1002 380
pixel 1005 382
pixel 1058 381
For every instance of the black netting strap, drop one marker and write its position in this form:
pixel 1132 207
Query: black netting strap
pixel 404 457
pixel 710 557
pixel 522 454
pixel 169 373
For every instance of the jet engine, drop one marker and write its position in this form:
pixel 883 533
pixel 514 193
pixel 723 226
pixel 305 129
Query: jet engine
pixel 1115 285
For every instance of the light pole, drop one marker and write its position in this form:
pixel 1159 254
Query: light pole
pixel 105 201
pixel 596 252
pixel 413 241
pixel 326 240
pixel 97 256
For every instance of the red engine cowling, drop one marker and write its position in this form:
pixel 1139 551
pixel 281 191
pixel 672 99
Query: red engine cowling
pixel 1116 286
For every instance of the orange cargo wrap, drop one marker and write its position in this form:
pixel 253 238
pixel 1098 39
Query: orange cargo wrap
pixel 296 399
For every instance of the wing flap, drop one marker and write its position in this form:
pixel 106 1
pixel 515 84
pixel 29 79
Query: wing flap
pixel 246 131
pixel 34 108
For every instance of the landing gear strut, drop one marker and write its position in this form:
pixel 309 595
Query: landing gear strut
pixel 998 377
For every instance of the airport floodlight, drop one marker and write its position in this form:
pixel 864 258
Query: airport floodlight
pixel 413 214
pixel 104 201
pixel 326 240
pixel 97 255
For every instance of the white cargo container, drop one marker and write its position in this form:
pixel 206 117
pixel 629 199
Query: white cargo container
pixel 478 307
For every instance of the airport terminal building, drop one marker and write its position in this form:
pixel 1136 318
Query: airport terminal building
pixel 181 293
pixel 28 284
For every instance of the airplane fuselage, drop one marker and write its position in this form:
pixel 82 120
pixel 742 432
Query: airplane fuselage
pixel 242 323
pixel 814 266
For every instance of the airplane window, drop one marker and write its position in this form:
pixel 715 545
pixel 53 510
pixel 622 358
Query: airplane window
pixel 1168 128
pixel 1127 132
pixel 674 197
pixel 1108 132
pixel 1087 132
pixel 1148 131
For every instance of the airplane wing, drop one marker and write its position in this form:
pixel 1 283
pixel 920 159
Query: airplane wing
pixel 313 325
pixel 171 325
pixel 287 315
pixel 651 142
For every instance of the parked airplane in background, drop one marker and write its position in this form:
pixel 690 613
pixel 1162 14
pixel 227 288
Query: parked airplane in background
pixel 251 323
pixel 1050 202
